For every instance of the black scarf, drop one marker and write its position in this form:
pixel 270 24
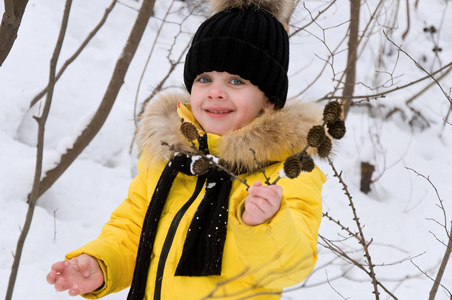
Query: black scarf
pixel 203 248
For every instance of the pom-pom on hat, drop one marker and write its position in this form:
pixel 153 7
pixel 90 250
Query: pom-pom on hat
pixel 246 38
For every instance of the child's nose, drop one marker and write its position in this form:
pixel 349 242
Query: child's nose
pixel 216 91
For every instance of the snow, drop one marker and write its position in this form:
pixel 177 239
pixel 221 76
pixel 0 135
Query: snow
pixel 401 215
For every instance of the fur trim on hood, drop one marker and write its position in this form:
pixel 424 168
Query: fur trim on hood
pixel 274 135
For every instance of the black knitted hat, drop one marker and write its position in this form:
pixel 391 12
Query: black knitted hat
pixel 249 42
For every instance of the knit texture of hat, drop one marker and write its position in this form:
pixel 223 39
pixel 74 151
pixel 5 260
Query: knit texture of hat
pixel 247 42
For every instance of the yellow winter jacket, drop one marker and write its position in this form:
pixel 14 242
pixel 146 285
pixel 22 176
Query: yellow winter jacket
pixel 258 261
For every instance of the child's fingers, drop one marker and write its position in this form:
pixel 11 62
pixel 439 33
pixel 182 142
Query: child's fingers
pixel 60 266
pixel 57 268
pixel 257 184
pixel 74 290
pixel 253 206
pixel 83 264
pixel 262 204
pixel 277 189
pixel 51 277
pixel 270 195
pixel 61 284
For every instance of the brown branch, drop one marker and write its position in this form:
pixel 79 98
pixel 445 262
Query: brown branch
pixel 340 253
pixel 442 268
pixel 259 165
pixel 312 19
pixel 407 20
pixel 162 82
pixel 428 276
pixel 420 67
pixel 446 256
pixel 353 43
pixel 362 239
pixel 346 229
pixel 383 94
pixel 347 96
pixel 327 61
pixel 12 17
pixel 411 99
pixel 159 31
pixel 441 204
pixel 39 153
pixel 108 100
pixel 77 52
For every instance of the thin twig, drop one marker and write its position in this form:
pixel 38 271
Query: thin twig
pixel 383 94
pixel 439 275
pixel 77 52
pixel 99 118
pixel 420 67
pixel 362 239
pixel 259 165
pixel 39 152
pixel 312 19
pixel 147 62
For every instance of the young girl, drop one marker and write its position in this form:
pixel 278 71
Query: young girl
pixel 186 232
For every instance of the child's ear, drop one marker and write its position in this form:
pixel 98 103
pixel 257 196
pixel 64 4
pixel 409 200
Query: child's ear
pixel 269 105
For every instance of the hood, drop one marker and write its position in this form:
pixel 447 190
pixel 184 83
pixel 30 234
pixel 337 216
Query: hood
pixel 274 135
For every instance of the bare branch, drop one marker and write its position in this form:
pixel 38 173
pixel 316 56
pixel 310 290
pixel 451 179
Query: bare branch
pixel 441 204
pixel 12 17
pixel 420 67
pixel 261 169
pixel 109 98
pixel 77 52
pixel 34 195
pixel 135 118
pixel 442 268
pixel 312 19
pixel 362 239
pixel 446 256
pixel 407 20
pixel 383 94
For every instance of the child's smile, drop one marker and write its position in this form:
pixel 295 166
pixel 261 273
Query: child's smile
pixel 223 102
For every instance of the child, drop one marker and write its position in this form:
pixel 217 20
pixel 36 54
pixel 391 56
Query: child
pixel 185 233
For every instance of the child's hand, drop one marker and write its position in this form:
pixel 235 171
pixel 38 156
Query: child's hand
pixel 79 275
pixel 262 203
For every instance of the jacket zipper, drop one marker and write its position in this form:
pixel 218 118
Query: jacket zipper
pixel 170 237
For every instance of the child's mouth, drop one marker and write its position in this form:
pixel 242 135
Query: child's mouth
pixel 218 111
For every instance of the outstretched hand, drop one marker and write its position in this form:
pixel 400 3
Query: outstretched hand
pixel 262 203
pixel 79 275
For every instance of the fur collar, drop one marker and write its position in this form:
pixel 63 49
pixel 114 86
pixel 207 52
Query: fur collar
pixel 274 135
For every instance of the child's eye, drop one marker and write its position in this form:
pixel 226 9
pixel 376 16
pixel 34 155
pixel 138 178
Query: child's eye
pixel 236 81
pixel 204 79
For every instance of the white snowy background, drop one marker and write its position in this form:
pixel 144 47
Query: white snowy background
pixel 401 214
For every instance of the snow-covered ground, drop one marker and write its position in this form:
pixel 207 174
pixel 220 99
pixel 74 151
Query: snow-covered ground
pixel 401 214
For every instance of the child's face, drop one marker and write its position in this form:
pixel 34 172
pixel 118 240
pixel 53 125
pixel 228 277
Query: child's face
pixel 223 102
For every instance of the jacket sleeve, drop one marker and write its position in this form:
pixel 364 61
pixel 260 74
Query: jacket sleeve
pixel 282 251
pixel 116 247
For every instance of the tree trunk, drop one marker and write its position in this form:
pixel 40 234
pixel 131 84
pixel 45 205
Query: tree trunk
pixel 14 10
pixel 350 70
